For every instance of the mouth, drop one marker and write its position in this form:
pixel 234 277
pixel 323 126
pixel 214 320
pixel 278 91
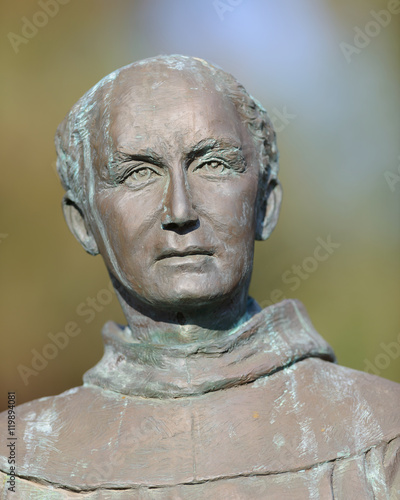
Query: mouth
pixel 169 253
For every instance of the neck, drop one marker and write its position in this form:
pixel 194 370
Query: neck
pixel 185 325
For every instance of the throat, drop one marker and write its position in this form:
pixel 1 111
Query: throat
pixel 182 327
pixel 168 325
pixel 183 331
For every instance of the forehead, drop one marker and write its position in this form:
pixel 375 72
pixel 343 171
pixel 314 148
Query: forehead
pixel 154 107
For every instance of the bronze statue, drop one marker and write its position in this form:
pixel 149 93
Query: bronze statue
pixel 170 170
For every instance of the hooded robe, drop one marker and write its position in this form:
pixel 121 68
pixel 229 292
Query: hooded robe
pixel 264 413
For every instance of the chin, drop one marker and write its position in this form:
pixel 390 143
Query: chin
pixel 190 295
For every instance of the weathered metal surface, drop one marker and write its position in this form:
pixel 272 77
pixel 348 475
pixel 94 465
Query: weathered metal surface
pixel 170 171
pixel 288 420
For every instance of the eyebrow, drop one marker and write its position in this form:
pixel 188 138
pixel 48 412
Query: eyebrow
pixel 206 145
pixel 120 157
pixel 148 155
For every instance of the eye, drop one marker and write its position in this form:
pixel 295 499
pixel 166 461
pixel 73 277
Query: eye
pixel 214 167
pixel 140 175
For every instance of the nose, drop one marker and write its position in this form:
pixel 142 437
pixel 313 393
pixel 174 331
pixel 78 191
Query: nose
pixel 178 210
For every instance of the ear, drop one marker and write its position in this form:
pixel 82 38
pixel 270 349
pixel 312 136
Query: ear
pixel 268 210
pixel 78 227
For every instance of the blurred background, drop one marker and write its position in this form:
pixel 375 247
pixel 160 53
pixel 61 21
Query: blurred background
pixel 329 74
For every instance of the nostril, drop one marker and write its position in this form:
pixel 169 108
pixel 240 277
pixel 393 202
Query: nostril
pixel 184 226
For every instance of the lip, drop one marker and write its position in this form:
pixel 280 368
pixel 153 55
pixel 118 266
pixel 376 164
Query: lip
pixel 168 253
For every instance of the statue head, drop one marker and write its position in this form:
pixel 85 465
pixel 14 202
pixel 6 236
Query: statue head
pixel 170 171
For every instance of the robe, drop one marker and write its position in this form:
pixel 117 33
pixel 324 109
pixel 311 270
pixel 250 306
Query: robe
pixel 264 413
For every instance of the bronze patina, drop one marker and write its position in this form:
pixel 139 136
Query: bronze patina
pixel 170 171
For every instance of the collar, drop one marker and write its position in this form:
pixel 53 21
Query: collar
pixel 271 340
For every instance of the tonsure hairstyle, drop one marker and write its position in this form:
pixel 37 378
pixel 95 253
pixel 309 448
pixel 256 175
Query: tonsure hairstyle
pixel 76 144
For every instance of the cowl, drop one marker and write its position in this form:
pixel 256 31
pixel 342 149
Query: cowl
pixel 271 340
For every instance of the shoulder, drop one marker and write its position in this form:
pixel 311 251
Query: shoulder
pixel 54 435
pixel 347 410
pixel 46 416
pixel 360 392
pixel 43 421
pixel 68 401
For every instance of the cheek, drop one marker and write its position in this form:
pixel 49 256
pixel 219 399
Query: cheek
pixel 231 219
pixel 240 226
pixel 232 213
pixel 245 215
pixel 116 227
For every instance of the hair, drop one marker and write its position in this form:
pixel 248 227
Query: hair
pixel 74 137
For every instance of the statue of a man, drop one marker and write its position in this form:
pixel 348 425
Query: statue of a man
pixel 170 171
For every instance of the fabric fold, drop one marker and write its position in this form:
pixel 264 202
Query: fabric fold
pixel 272 339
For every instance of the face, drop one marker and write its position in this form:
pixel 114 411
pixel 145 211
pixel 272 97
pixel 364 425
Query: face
pixel 173 205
